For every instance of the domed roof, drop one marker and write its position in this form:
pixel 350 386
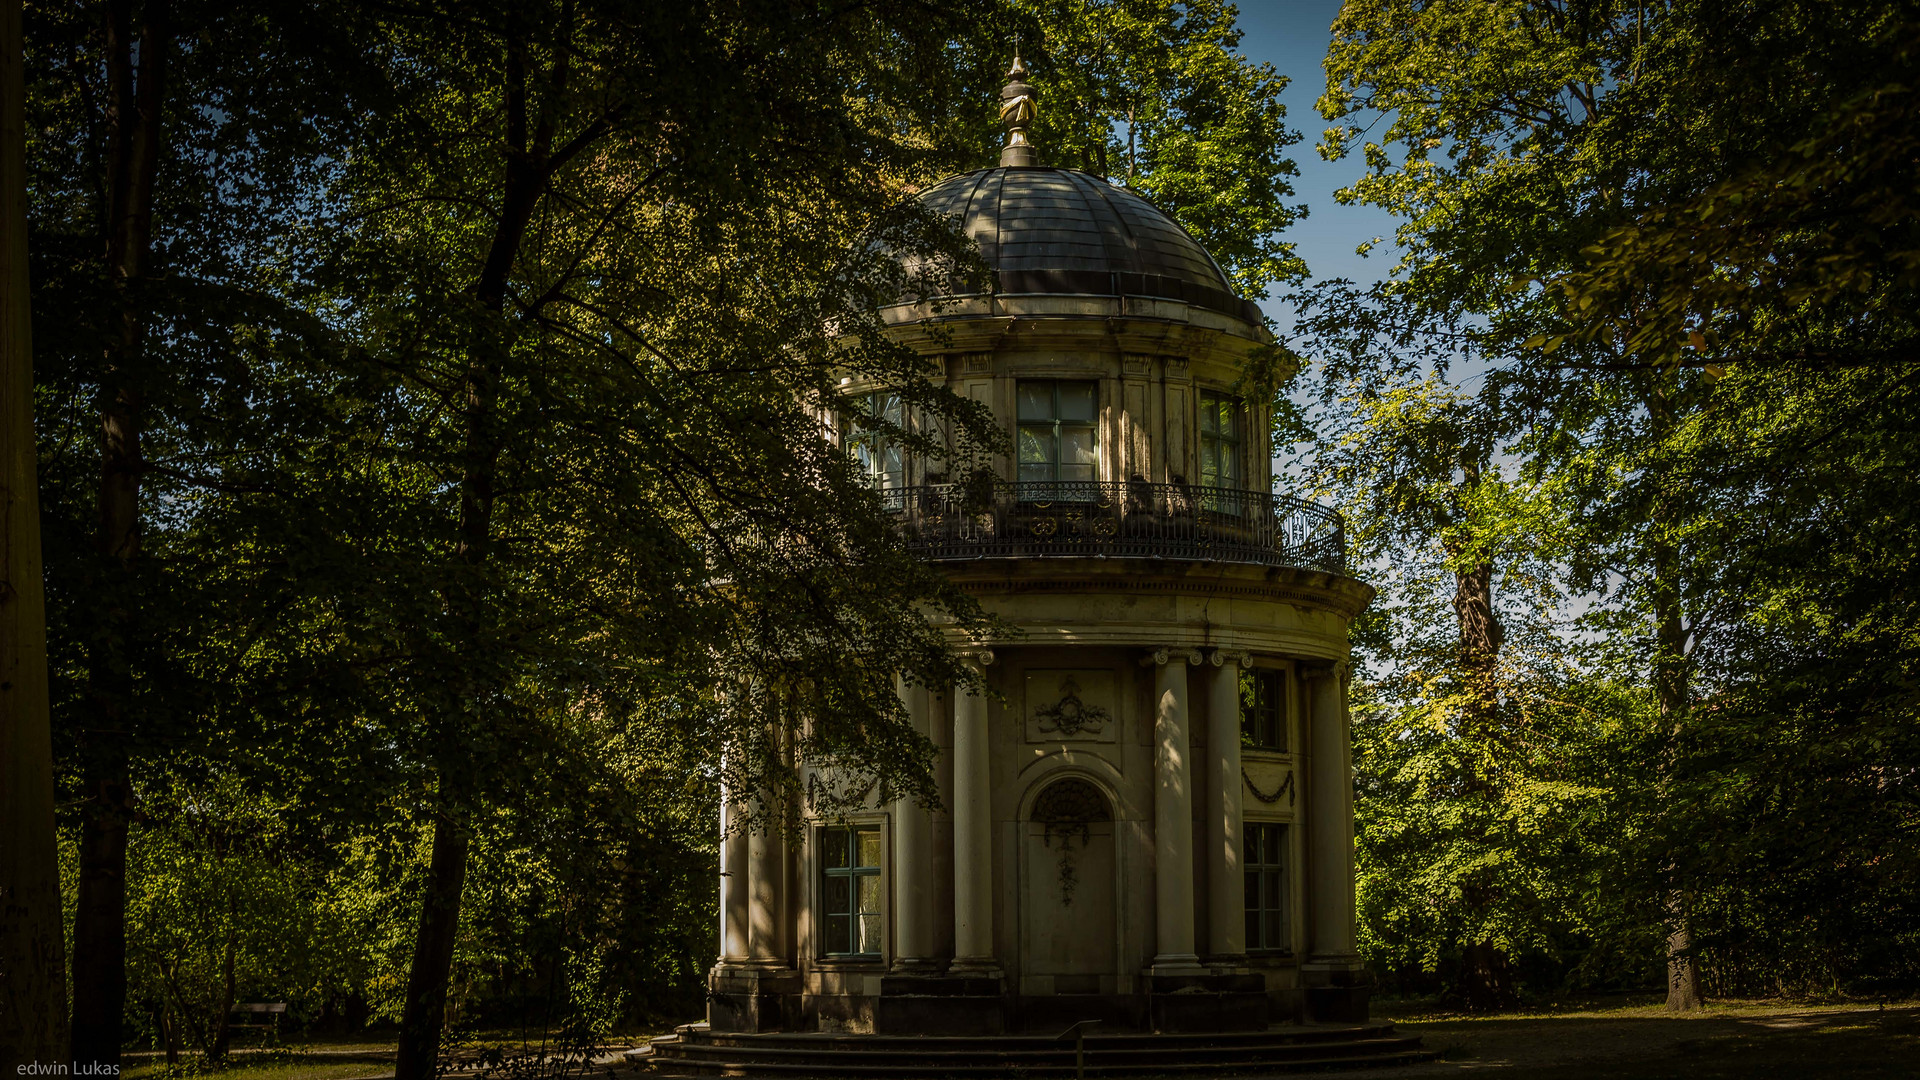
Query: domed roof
pixel 1063 231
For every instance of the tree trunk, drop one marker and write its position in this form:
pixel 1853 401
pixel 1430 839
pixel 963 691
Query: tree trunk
pixel 1670 687
pixel 134 96
pixel 99 923
pixel 528 169
pixel 426 1004
pixel 1683 974
pixel 169 1030
pixel 1486 980
pixel 33 993
pixel 223 1023
pixel 1673 695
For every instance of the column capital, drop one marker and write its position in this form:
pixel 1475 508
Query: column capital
pixel 980 657
pixel 1167 654
pixel 1322 669
pixel 1221 656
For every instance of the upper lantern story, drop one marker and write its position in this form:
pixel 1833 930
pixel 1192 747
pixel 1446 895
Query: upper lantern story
pixel 1111 347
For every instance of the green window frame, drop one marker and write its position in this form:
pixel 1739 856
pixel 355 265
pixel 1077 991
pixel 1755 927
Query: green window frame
pixel 1220 441
pixel 1265 857
pixel 1263 709
pixel 1058 429
pixel 852 901
pixel 880 456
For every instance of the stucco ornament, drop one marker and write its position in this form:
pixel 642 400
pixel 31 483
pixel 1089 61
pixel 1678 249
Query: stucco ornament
pixel 1067 808
pixel 1285 788
pixel 1070 716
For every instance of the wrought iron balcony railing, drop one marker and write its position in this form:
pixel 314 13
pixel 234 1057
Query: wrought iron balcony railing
pixel 1119 519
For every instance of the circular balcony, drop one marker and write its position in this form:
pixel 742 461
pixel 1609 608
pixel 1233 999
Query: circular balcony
pixel 1119 519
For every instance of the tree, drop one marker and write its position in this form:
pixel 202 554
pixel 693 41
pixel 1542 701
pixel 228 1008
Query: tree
pixel 603 310
pixel 1473 762
pixel 172 142
pixel 1526 133
pixel 1786 287
pixel 1152 94
pixel 220 911
pixel 32 964
pixel 465 411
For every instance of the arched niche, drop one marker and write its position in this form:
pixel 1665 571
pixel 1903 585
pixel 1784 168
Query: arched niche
pixel 1069 882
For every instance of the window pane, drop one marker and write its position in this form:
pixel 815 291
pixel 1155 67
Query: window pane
pixel 1036 445
pixel 1226 424
pixel 869 893
pixel 1270 883
pixel 869 848
pixel 1270 936
pixel 869 935
pixel 1035 473
pixel 1253 930
pixel 1076 446
pixel 838 895
pixel 888 407
pixel 1076 401
pixel 1252 890
pixel 1209 414
pixel 1036 401
pixel 834 846
pixel 1209 463
pixel 839 933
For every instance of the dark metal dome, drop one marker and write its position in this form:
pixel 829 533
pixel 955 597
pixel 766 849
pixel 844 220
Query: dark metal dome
pixel 1063 231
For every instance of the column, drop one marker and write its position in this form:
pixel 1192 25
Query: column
pixel 766 882
pixel 1172 814
pixel 913 860
pixel 735 890
pixel 1226 890
pixel 972 831
pixel 1330 818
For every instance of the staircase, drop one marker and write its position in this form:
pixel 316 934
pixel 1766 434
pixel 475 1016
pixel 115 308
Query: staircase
pixel 693 1050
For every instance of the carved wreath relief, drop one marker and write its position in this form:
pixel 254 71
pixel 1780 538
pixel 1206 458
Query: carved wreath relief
pixel 1071 705
pixel 1070 716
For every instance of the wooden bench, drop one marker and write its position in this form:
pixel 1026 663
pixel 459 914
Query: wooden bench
pixel 260 1014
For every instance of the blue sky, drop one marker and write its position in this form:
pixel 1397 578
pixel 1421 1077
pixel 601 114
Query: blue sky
pixel 1292 35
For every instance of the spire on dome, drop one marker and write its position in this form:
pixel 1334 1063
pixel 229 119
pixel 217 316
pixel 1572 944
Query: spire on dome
pixel 1016 114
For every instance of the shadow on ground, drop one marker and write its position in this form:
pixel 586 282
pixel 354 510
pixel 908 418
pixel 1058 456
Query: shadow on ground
pixel 1763 1042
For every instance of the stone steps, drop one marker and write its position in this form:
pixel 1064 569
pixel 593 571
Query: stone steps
pixel 694 1051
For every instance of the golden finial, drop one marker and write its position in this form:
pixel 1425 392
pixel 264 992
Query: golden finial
pixel 1016 114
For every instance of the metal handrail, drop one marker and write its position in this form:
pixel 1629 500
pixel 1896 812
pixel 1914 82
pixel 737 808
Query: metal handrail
pixel 1118 519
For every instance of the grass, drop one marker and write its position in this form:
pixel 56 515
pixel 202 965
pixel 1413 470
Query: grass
pixel 294 1066
pixel 1735 1040
pixel 335 1059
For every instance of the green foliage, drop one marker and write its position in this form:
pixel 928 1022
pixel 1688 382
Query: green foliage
pixel 223 907
pixel 1655 280
pixel 1152 94
pixel 482 480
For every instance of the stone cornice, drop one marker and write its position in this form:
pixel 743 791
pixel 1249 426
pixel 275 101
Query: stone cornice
pixel 1133 325
pixel 1306 588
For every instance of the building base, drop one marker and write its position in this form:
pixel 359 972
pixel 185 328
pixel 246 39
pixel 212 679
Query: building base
pixel 1337 991
pixel 695 1050
pixel 752 998
pixel 1201 1003
pixel 940 1005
